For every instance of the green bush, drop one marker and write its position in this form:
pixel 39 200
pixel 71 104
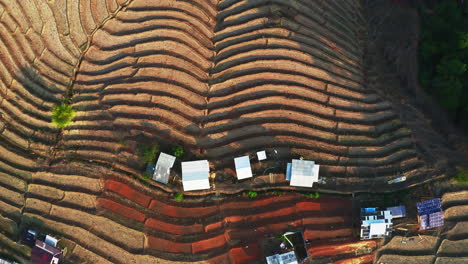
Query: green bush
pixel 62 115
pixel 178 197
pixel 252 194
pixel 178 151
pixel 148 152
pixel 314 195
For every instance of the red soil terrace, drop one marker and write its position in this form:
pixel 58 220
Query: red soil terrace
pixel 236 225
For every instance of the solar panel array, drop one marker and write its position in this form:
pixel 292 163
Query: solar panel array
pixel 434 220
pixel 429 206
pixel 430 214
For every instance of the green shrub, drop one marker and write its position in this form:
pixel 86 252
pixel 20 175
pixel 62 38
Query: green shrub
pixel 146 175
pixel 252 194
pixel 178 151
pixel 178 197
pixel 148 152
pixel 62 115
pixel 314 195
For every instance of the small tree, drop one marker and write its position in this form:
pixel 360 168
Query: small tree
pixel 178 151
pixel 178 197
pixel 62 115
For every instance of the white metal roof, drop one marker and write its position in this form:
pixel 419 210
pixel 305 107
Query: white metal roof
pixel 304 173
pixel 378 229
pixel 166 160
pixel 195 175
pixel 261 155
pixel 243 169
pixel 163 167
pixel 51 241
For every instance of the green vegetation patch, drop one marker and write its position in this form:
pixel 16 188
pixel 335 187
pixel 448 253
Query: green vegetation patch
pixel 62 115
pixel 252 194
pixel 178 197
pixel 178 151
pixel 461 177
pixel 314 195
pixel 148 152
pixel 443 57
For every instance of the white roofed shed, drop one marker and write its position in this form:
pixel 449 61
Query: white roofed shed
pixel 163 167
pixel 304 173
pixel 195 175
pixel 243 169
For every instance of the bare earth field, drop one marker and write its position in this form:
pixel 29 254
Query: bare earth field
pixel 221 79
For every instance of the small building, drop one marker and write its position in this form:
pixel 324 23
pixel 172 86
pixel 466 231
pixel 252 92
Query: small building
pixel 195 175
pixel 375 223
pixel 397 211
pixel 243 169
pixel 162 170
pixel 302 173
pixel 42 253
pixel 29 237
pixel 51 241
pixel 430 214
pixel 261 155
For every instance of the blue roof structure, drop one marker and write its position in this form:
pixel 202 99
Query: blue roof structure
pixel 397 211
pixel 288 171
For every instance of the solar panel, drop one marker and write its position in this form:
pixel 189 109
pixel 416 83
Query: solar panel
pixel 432 220
pixel 429 206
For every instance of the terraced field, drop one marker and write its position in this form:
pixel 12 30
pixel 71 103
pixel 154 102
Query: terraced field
pixel 221 79
pixel 447 246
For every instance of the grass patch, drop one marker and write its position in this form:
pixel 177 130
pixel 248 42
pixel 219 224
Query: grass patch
pixel 62 115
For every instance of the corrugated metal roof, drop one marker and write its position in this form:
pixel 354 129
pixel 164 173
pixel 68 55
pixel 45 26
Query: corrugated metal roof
pixel 304 173
pixel 195 175
pixel 243 169
pixel 163 167
pixel 166 160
